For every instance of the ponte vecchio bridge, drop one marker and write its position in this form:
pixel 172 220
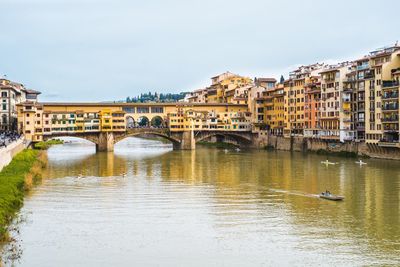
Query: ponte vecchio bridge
pixel 105 124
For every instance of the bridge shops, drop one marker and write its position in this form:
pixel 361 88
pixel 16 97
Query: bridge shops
pixel 107 123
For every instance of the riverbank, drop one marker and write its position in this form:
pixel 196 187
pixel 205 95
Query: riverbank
pixel 327 147
pixel 43 145
pixel 7 153
pixel 15 179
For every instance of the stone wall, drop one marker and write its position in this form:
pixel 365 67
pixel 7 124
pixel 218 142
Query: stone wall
pixel 375 151
pixel 7 153
pixel 307 144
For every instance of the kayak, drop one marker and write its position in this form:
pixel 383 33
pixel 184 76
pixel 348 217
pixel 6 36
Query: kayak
pixel 361 162
pixel 328 162
pixel 330 197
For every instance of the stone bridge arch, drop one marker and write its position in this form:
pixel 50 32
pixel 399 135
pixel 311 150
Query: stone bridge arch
pixel 175 140
pixel 242 139
pixel 93 138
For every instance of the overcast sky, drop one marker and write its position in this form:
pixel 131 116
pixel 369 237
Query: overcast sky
pixel 98 50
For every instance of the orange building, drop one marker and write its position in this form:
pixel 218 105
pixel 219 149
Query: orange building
pixel 312 107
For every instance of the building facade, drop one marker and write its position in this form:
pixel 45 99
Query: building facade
pixel 11 94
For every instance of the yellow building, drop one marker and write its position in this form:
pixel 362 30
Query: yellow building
pixel 384 116
pixel 211 117
pixel 278 115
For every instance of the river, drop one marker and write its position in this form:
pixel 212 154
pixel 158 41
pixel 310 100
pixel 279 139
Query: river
pixel 147 205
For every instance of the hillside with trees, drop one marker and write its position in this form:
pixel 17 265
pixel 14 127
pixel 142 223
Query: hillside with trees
pixel 155 97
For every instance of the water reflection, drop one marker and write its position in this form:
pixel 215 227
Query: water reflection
pixel 208 207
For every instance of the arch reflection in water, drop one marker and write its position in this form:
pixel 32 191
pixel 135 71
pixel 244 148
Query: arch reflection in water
pixel 213 206
pixel 77 157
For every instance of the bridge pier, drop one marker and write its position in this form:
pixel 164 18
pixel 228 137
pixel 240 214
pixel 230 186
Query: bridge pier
pixel 105 142
pixel 187 141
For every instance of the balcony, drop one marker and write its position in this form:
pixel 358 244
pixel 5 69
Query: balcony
pixel 363 67
pixel 393 119
pixel 369 76
pixel 387 96
pixel 392 107
pixel 349 80
pixel 391 129
pixel 388 84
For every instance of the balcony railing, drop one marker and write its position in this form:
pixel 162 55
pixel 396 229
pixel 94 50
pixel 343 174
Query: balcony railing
pixel 363 67
pixel 386 84
pixel 390 119
pixel 390 96
pixel 390 107
pixel 391 129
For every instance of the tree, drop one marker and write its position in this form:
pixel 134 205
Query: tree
pixel 143 121
pixel 282 79
pixel 156 121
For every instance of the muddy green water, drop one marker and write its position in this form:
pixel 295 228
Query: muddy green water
pixel 208 207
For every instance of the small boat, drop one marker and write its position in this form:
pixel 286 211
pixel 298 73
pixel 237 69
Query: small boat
pixel 329 196
pixel 361 162
pixel 327 162
pixel 237 149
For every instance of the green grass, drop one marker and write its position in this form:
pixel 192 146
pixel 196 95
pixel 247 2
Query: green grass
pixel 12 186
pixel 45 145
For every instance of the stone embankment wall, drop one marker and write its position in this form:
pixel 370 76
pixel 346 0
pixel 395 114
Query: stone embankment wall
pixel 308 144
pixel 7 153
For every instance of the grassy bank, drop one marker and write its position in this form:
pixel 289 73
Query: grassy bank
pixel 17 177
pixel 45 145
pixel 217 145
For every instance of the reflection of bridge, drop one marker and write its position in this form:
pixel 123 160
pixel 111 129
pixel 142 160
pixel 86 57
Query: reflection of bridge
pixel 180 140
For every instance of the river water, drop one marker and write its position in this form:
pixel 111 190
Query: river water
pixel 146 205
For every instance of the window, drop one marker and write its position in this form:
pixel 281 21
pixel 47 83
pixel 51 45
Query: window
pixel 4 106
pixel 3 94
